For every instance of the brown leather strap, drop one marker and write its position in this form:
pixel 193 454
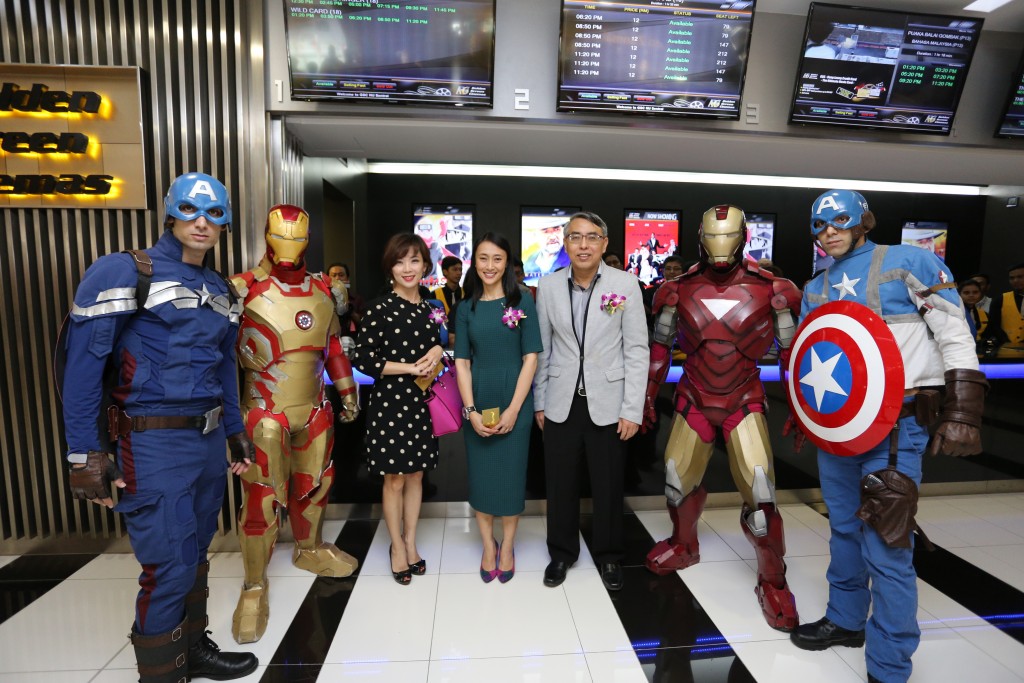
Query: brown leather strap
pixel 142 261
pixel 120 424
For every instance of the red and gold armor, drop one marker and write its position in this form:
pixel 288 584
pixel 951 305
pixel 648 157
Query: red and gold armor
pixel 289 334
pixel 724 314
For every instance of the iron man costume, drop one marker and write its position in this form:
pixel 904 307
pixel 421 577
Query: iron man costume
pixel 724 314
pixel 289 333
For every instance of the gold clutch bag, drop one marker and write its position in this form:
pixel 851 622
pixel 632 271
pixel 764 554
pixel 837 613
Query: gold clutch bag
pixel 424 382
pixel 490 416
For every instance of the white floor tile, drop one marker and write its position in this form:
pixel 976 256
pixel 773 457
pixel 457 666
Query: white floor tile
pixel 615 667
pixel 111 566
pixel 89 620
pixel 997 645
pixel 478 620
pixel 726 591
pixel 536 669
pixel 772 662
pixel 462 549
pixel 386 622
pixel 229 564
pixel 131 676
pixel 50 677
pixel 375 672
pixel 597 622
pixel 967 529
pixel 1003 562
pixel 811 518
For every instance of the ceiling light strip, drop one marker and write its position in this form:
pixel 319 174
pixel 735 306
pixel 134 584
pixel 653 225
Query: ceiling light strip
pixel 669 177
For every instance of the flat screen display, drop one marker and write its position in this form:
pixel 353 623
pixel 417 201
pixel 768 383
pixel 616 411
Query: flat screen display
pixel 674 57
pixel 1012 123
pixel 448 231
pixel 543 240
pixel 760 236
pixel 880 69
pixel 930 235
pixel 650 236
pixel 438 52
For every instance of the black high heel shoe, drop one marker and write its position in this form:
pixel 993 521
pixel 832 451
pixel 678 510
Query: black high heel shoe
pixel 418 568
pixel 403 578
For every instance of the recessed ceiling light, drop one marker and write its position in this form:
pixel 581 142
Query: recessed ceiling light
pixel 986 5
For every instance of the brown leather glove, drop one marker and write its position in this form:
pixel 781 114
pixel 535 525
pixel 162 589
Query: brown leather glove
pixel 349 408
pixel 241 448
pixel 91 481
pixel 959 431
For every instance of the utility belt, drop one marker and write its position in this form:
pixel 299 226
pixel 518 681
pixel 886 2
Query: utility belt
pixel 121 424
pixel 888 498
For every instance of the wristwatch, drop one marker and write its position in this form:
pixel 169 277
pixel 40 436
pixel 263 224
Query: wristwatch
pixel 466 410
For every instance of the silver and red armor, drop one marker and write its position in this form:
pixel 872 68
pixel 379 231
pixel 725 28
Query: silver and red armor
pixel 289 334
pixel 724 314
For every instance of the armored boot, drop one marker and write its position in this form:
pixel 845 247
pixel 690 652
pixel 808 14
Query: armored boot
pixel 205 660
pixel 162 658
pixel 763 528
pixel 682 549
pixel 306 516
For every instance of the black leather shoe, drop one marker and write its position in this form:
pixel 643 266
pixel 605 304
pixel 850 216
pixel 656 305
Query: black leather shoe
pixel 872 679
pixel 554 575
pixel 611 576
pixel 823 634
pixel 205 660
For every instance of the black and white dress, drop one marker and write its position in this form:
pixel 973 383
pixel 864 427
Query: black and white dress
pixel 399 439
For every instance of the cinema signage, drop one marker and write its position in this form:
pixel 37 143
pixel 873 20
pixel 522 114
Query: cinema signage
pixel 71 137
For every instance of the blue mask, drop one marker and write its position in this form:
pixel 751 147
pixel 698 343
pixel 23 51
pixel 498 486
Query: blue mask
pixel 196 194
pixel 830 207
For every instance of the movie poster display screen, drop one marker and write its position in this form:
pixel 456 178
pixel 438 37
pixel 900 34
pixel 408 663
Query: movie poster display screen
pixel 448 231
pixel 429 52
pixel 651 235
pixel 882 69
pixel 1012 123
pixel 760 236
pixel 930 235
pixel 675 57
pixel 543 240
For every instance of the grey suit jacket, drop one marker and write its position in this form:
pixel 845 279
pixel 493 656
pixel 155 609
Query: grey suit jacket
pixel 615 354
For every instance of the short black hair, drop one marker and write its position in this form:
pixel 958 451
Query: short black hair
pixel 674 259
pixel 449 261
pixel 339 264
pixel 1019 266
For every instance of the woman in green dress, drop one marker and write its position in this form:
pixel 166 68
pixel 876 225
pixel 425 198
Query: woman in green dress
pixel 496 356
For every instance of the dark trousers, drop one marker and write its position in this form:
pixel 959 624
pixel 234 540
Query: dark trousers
pixel 565 445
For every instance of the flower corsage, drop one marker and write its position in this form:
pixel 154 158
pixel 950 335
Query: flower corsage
pixel 612 303
pixel 437 316
pixel 511 316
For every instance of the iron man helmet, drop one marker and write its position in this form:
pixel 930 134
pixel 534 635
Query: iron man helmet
pixel 723 232
pixel 287 234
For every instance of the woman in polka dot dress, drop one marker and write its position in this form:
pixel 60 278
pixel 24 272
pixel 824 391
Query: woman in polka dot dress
pixel 398 342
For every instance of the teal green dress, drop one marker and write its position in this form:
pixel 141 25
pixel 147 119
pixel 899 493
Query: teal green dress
pixel 497 464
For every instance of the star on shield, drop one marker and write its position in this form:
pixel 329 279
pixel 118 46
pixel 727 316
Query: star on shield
pixel 846 287
pixel 820 377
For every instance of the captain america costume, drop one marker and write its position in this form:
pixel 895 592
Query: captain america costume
pixel 174 358
pixel 911 290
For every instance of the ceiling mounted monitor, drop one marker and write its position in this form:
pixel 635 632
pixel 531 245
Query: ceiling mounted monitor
pixel 424 52
pixel 882 69
pixel 661 57
pixel 1012 123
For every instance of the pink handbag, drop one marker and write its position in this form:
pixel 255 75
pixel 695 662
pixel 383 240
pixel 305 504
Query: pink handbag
pixel 444 401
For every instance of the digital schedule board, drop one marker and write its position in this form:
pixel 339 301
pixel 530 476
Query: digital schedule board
pixel 448 231
pixel 1012 123
pixel 671 57
pixel 438 52
pixel 650 237
pixel 881 69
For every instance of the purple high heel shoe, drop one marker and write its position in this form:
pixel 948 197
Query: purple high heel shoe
pixel 506 576
pixel 488 575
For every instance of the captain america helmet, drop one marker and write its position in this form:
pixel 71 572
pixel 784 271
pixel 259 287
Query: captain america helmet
pixel 196 194
pixel 842 209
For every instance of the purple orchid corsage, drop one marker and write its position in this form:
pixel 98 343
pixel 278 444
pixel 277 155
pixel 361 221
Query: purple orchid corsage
pixel 511 317
pixel 612 303
pixel 437 316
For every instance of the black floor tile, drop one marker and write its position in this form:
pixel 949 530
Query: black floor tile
pixel 29 577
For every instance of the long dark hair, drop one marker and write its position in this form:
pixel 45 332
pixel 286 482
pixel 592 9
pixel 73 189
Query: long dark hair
pixel 475 287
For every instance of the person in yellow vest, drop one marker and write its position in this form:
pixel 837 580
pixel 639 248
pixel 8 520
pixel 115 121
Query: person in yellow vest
pixel 1007 313
pixel 451 292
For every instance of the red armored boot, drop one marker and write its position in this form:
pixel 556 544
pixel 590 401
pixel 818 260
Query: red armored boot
pixel 682 549
pixel 763 528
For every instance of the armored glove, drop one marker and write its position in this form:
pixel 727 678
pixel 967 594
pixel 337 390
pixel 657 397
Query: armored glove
pixel 793 427
pixel 91 481
pixel 959 430
pixel 349 408
pixel 656 374
pixel 241 448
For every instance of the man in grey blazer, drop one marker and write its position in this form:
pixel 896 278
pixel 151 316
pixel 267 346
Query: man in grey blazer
pixel 589 393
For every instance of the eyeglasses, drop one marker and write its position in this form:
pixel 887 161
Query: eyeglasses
pixel 590 237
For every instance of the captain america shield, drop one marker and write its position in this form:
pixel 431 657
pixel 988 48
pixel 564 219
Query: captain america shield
pixel 845 383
